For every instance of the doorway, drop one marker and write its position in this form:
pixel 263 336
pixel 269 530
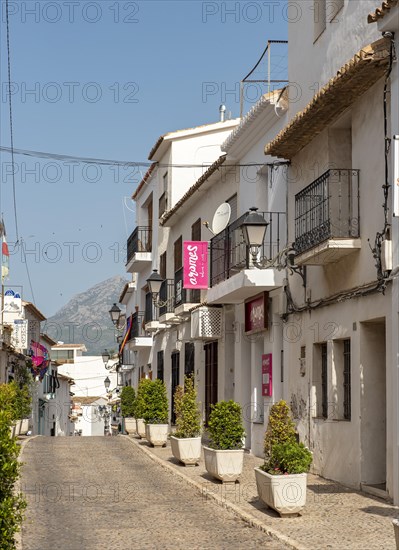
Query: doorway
pixel 373 405
pixel 175 382
pixel 211 377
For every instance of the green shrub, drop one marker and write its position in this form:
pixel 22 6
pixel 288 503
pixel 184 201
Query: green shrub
pixel 141 397
pixel 283 453
pixel 8 400
pixel 280 428
pixel 289 458
pixel 12 505
pixel 155 400
pixel 128 398
pixel 225 426
pixel 188 415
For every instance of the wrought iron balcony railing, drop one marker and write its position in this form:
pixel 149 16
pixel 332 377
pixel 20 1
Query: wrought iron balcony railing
pixel 138 325
pixel 167 297
pixel 183 295
pixel 328 208
pixel 229 253
pixel 139 241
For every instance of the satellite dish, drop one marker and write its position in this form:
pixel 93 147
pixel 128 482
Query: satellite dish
pixel 221 218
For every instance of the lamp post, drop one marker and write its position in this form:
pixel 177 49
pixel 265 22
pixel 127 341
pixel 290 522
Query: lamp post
pixel 106 357
pixel 115 313
pixel 154 282
pixel 254 230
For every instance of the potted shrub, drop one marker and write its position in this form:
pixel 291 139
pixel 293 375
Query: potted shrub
pixel 225 454
pixel 156 413
pixel 186 441
pixel 281 481
pixel 140 405
pixel 128 398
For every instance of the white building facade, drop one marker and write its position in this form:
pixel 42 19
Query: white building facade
pixel 313 316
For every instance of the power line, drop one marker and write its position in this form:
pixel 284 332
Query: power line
pixel 113 162
pixel 11 125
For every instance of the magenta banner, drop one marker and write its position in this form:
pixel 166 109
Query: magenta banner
pixel 267 375
pixel 195 264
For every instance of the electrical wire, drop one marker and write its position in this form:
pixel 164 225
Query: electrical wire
pixel 11 122
pixel 112 162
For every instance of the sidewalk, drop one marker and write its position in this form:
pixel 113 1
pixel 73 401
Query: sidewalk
pixel 335 517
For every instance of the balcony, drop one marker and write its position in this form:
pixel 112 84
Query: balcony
pixel 139 247
pixel 327 218
pixel 139 338
pixel 233 276
pixel 185 299
pixel 167 299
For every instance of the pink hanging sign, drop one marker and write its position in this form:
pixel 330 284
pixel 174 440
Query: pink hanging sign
pixel 195 264
pixel 267 375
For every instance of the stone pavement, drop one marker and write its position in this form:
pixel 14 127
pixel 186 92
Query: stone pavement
pixel 102 493
pixel 335 517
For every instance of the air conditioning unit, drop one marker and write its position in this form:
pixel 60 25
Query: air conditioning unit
pixel 206 323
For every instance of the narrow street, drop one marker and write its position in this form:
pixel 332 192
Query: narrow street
pixel 97 493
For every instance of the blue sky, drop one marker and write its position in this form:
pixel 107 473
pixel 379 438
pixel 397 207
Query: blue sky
pixel 104 79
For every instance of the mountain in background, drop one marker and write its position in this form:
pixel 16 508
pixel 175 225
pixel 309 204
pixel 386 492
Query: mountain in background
pixel 85 318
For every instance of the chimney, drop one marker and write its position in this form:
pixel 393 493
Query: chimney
pixel 222 111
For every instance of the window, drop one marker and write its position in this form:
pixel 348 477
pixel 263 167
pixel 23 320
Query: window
pixel 320 381
pixel 160 370
pixel 196 230
pixel 347 379
pixel 189 358
pixel 319 18
pixel 178 253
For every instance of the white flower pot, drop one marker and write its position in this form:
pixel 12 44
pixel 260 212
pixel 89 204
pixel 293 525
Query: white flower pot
pixel 24 426
pixel 157 434
pixel 140 427
pixel 224 465
pixel 186 449
pixel 12 430
pixel 18 425
pixel 284 493
pixel 130 425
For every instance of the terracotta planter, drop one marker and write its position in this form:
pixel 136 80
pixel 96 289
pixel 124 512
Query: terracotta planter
pixel 284 493
pixel 186 449
pixel 130 425
pixel 140 427
pixel 224 465
pixel 157 434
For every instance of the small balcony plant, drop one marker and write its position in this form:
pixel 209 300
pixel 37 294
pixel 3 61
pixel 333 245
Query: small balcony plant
pixel 225 454
pixel 186 441
pixel 156 413
pixel 281 481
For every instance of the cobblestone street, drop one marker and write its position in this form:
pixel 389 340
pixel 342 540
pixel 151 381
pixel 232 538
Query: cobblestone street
pixel 97 493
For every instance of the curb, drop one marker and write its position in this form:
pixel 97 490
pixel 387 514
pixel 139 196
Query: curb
pixel 18 535
pixel 245 516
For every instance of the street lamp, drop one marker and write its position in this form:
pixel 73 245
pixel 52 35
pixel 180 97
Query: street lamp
pixel 115 313
pixel 106 357
pixel 154 284
pixel 107 383
pixel 254 231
